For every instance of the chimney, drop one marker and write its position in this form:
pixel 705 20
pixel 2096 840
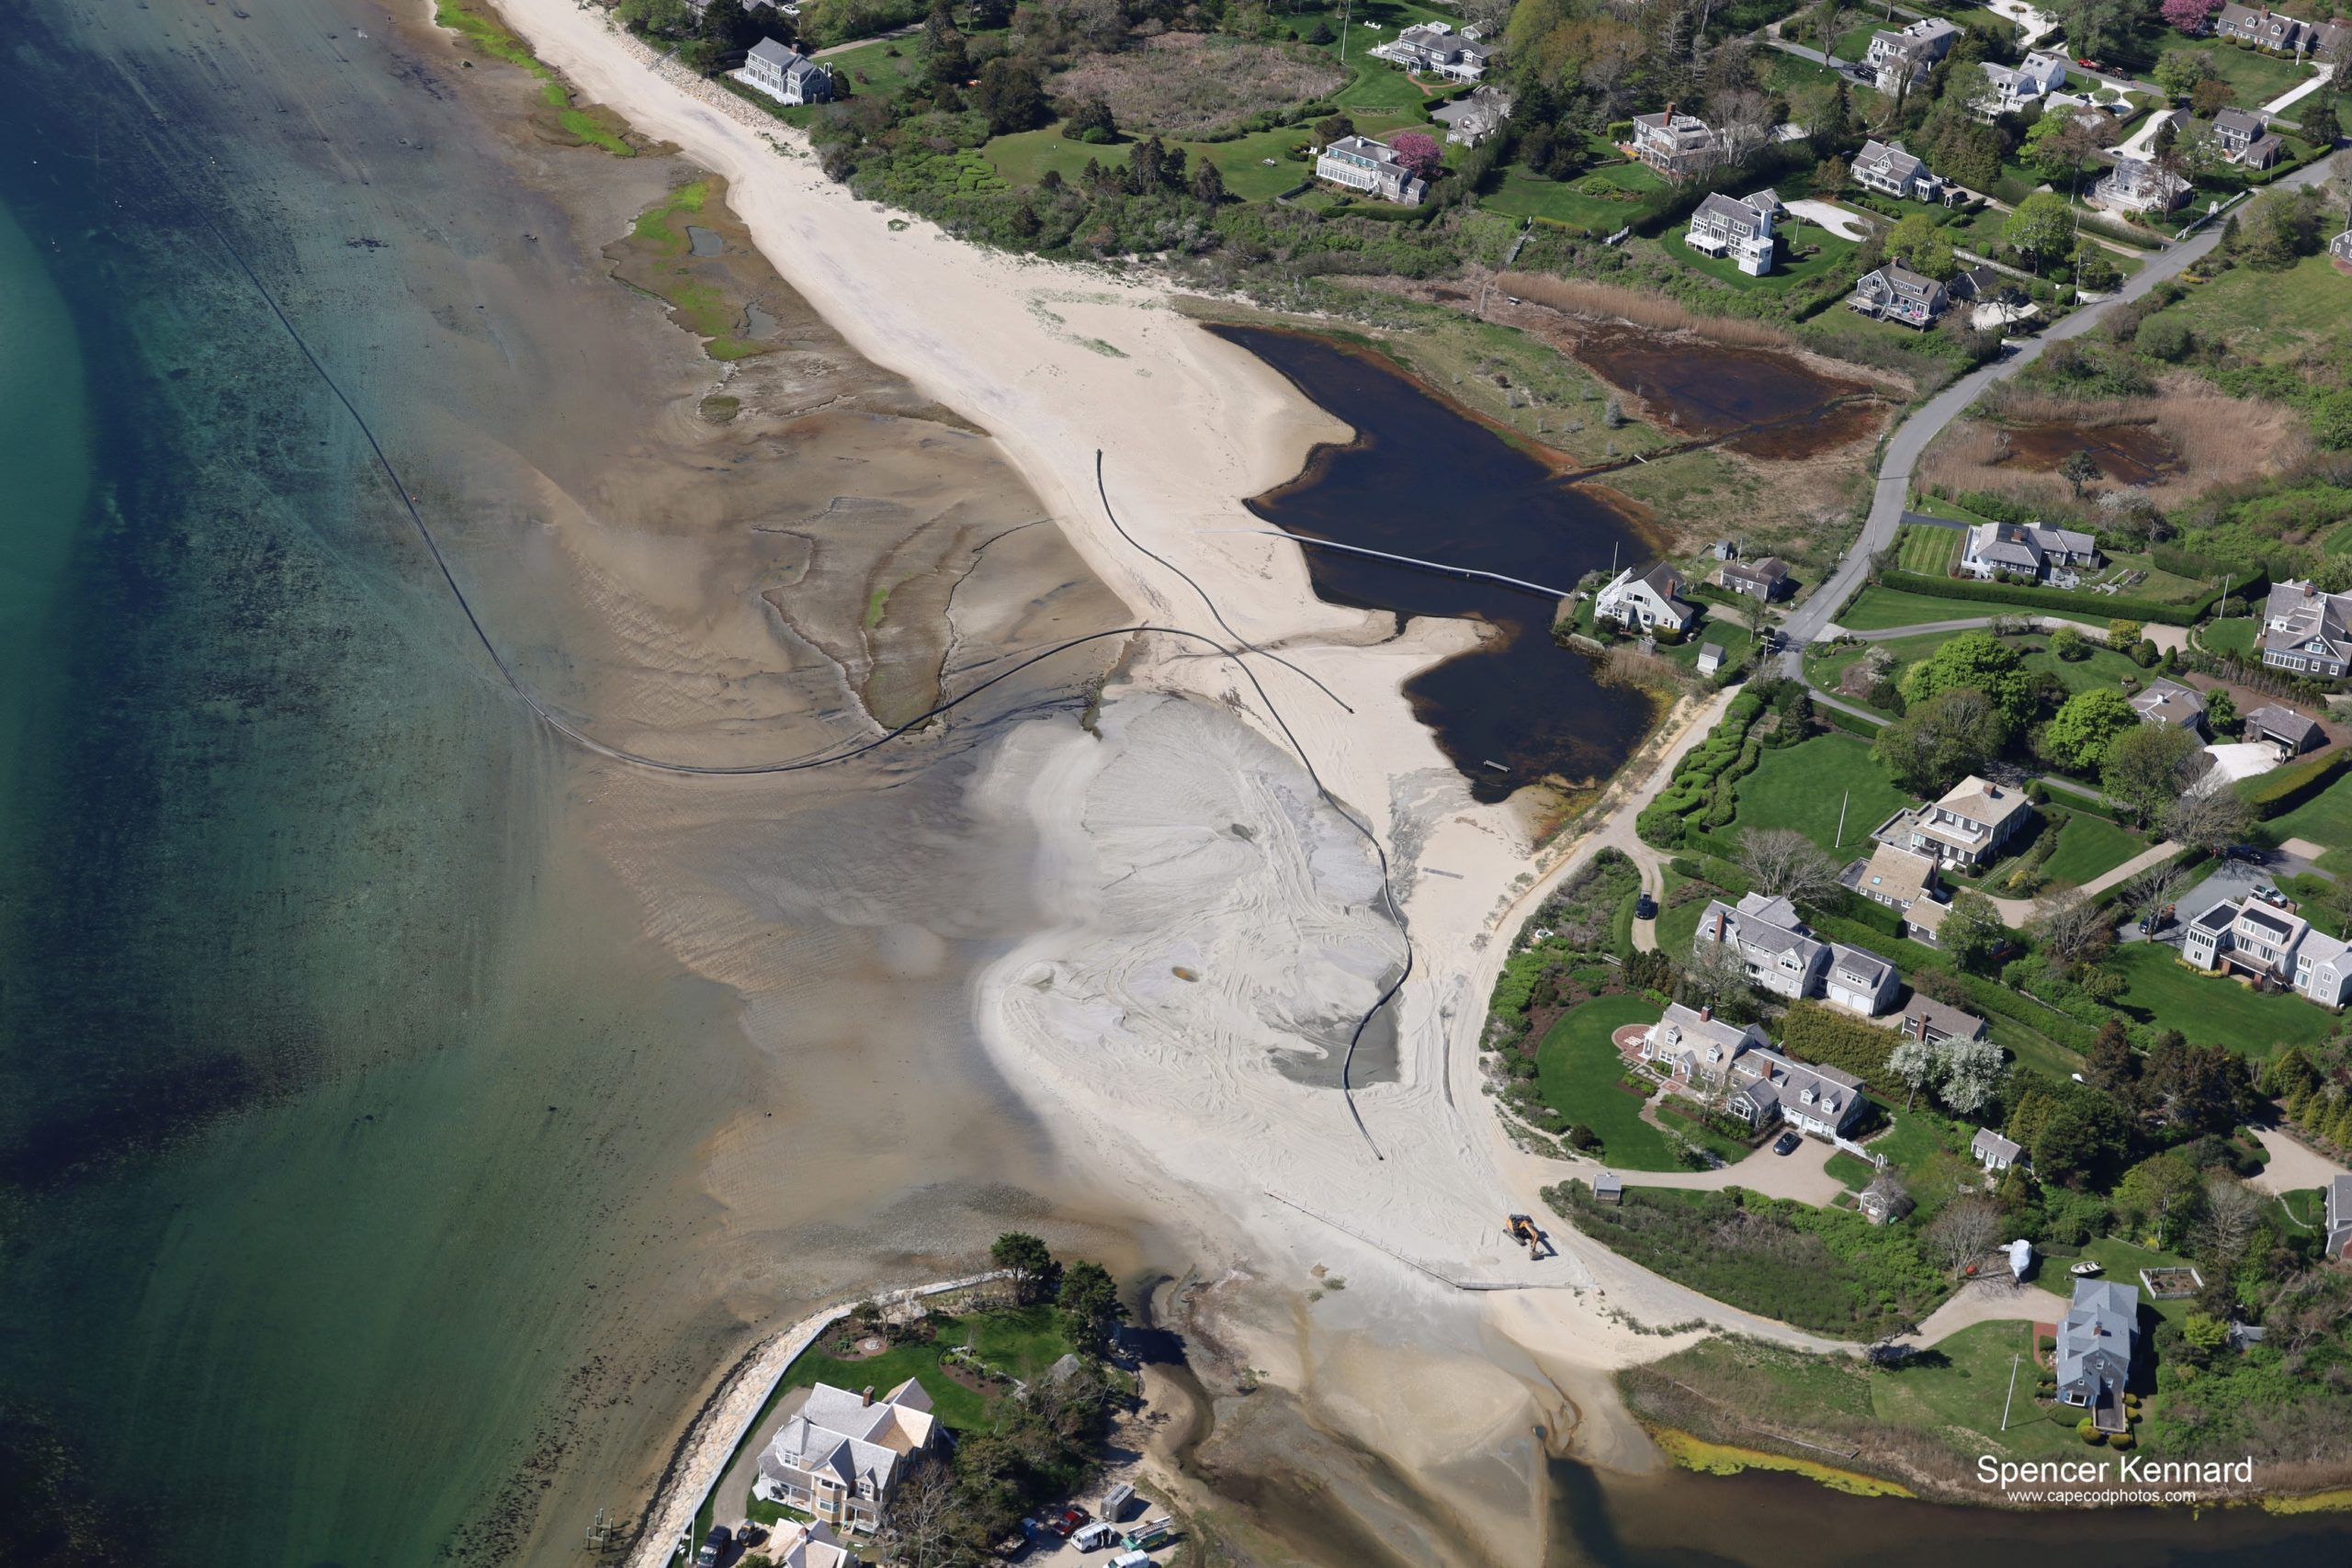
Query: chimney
pixel 867 1397
pixel 1706 1012
pixel 1669 115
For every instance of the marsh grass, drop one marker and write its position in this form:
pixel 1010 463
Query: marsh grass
pixel 1584 297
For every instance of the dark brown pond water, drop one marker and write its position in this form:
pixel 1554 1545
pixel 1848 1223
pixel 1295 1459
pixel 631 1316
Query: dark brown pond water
pixel 1774 406
pixel 2126 454
pixel 1425 480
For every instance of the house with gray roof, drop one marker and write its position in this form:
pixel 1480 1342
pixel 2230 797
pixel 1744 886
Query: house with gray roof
pixel 2245 139
pixel 1364 163
pixel 841 1455
pixel 1895 293
pixel 1676 145
pixel 1646 600
pixel 1436 48
pixel 785 74
pixel 1924 1018
pixel 2008 89
pixel 2170 703
pixel 2340 247
pixel 1777 948
pixel 1889 170
pixel 1991 1151
pixel 2263 940
pixel 1821 1101
pixel 1967 827
pixel 2280 33
pixel 1900 60
pixel 2339 1217
pixel 1739 230
pixel 2031 550
pixel 1765 579
pixel 2096 1342
pixel 2136 185
pixel 2307 631
pixel 1471 118
pixel 1696 1047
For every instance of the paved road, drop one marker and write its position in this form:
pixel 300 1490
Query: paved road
pixel 1911 437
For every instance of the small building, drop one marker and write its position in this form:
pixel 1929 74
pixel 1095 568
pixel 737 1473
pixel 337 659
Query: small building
pixel 1924 1018
pixel 1470 119
pixel 1895 293
pixel 1696 1047
pixel 2264 940
pixel 1437 49
pixel 1859 980
pixel 812 1545
pixel 785 74
pixel 1900 60
pixel 1739 231
pixel 1647 603
pixel 2339 1217
pixel 2029 550
pixel 841 1455
pixel 1889 170
pixel 1968 827
pixel 2291 732
pixel 1364 163
pixel 1608 1186
pixel 1765 579
pixel 2244 138
pixel 1991 1151
pixel 2340 247
pixel 1711 658
pixel 2096 1342
pixel 1675 144
pixel 2136 185
pixel 2307 631
pixel 2169 703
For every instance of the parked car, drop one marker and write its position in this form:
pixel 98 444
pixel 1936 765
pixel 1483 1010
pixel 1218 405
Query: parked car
pixel 1645 908
pixel 714 1547
pixel 1066 1523
pixel 1787 1145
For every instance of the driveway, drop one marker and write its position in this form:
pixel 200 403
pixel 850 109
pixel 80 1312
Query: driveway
pixel 1845 225
pixel 2294 1165
pixel 1998 1299
pixel 2230 879
pixel 1802 1174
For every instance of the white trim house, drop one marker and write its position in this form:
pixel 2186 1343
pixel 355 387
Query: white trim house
pixel 785 74
pixel 1739 230
pixel 1646 603
pixel 842 1454
pixel 1363 163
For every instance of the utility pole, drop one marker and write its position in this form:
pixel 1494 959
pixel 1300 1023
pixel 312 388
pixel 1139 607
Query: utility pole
pixel 1847 800
pixel 1347 12
pixel 2014 1359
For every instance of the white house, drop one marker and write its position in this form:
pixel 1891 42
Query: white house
pixel 842 1454
pixel 1889 170
pixel 1647 603
pixel 1740 229
pixel 1778 949
pixel 1900 60
pixel 1823 1101
pixel 2135 185
pixel 1360 163
pixel 1436 48
pixel 2307 631
pixel 2268 942
pixel 785 74
pixel 1991 1151
pixel 1698 1048
pixel 2028 549
pixel 2008 89
pixel 1859 980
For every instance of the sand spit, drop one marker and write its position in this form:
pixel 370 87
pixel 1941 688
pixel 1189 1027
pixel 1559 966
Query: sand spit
pixel 1179 839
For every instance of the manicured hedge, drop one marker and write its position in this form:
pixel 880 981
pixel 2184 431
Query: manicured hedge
pixel 2053 598
pixel 1819 1034
pixel 1852 723
pixel 2282 789
pixel 1985 996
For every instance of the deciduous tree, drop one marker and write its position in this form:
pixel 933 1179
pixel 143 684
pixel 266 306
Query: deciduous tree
pixel 1419 151
pixel 2040 229
pixel 1972 932
pixel 2069 928
pixel 2147 767
pixel 1963 1233
pixel 1784 862
pixel 1972 1074
pixel 1031 1263
pixel 2078 736
pixel 2210 820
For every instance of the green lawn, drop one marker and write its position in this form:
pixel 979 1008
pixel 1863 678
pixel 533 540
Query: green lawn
pixel 1604 200
pixel 1926 548
pixel 1021 1342
pixel 2270 316
pixel 1025 156
pixel 2259 77
pixel 2235 635
pixel 2210 1009
pixel 1805 786
pixel 2098 667
pixel 1880 609
pixel 2087 847
pixel 2123 1261
pixel 1965 1383
pixel 1854 42
pixel 1577 1069
pixel 1828 252
pixel 2327 819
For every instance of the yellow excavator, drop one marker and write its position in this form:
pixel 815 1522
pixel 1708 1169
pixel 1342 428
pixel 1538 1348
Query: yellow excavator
pixel 1522 1230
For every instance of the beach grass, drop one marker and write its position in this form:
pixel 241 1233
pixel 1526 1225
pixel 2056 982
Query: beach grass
pixel 1723 1459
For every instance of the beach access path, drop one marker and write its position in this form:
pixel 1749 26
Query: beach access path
pixel 1892 494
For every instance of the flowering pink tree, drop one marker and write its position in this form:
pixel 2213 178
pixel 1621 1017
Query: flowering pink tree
pixel 1418 151
pixel 2191 15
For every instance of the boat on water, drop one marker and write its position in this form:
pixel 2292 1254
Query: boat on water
pixel 2085 1269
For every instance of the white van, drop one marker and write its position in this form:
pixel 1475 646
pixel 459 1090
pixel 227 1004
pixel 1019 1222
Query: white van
pixel 1096 1536
pixel 1132 1560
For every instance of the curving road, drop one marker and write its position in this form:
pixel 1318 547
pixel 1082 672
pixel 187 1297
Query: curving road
pixel 1911 437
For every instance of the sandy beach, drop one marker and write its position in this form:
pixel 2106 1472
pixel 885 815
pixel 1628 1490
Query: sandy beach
pixel 1219 926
